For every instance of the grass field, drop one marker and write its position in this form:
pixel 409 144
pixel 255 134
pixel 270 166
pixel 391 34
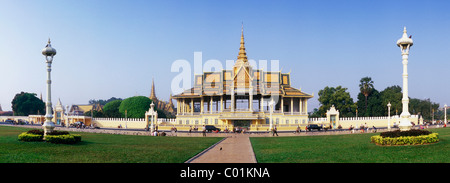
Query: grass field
pixel 107 148
pixel 101 148
pixel 352 148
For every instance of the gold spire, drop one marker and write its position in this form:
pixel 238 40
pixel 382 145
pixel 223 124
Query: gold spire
pixel 152 94
pixel 242 57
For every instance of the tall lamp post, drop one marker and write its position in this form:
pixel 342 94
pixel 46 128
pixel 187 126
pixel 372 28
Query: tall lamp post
pixel 445 114
pixel 389 116
pixel 271 105
pixel 49 53
pixel 405 43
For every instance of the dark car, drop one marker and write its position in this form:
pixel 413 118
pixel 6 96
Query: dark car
pixel 210 128
pixel 314 126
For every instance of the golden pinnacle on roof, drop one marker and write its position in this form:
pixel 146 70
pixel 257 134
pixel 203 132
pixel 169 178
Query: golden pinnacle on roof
pixel 242 57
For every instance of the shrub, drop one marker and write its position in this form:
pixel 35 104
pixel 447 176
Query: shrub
pixel 405 140
pixel 29 137
pixel 77 137
pixel 63 139
pixel 57 137
pixel 54 132
pixel 36 131
pixel 399 133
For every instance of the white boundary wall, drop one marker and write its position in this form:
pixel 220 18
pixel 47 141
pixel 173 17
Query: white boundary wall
pixel 127 123
pixel 356 122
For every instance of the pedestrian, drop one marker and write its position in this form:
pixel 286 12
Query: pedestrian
pixel 204 131
pixel 275 131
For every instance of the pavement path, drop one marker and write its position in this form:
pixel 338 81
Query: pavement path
pixel 234 149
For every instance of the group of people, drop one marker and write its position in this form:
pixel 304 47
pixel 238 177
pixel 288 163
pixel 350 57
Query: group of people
pixel 362 128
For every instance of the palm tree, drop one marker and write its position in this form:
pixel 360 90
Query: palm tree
pixel 366 87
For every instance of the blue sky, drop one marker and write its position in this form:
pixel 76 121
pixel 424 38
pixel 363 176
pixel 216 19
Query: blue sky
pixel 112 48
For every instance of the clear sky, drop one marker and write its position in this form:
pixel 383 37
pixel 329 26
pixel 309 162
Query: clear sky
pixel 112 48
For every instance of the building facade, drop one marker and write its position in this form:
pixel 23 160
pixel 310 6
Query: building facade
pixel 240 97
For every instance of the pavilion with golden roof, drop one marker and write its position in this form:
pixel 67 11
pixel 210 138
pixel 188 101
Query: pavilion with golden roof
pixel 241 98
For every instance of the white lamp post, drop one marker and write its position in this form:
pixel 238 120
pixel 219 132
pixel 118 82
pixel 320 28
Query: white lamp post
pixel 445 114
pixel 389 116
pixel 405 43
pixel 271 105
pixel 49 53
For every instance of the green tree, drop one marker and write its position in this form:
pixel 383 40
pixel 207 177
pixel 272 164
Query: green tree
pixel 373 105
pixel 339 97
pixel 423 107
pixel 111 109
pixel 366 87
pixel 103 102
pixel 135 106
pixel 25 104
pixel 392 94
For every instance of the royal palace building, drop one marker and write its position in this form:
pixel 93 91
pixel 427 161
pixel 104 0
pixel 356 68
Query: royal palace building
pixel 242 97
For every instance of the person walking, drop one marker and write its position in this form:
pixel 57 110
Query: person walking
pixel 275 131
pixel 204 131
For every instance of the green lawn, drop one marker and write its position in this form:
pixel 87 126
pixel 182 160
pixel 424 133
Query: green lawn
pixel 101 148
pixel 352 148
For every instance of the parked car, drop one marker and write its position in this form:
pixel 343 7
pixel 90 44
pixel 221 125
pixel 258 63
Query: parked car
pixel 314 126
pixel 210 128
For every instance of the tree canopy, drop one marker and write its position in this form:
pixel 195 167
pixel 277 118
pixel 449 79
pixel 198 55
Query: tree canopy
pixel 339 97
pixel 111 109
pixel 25 104
pixel 135 106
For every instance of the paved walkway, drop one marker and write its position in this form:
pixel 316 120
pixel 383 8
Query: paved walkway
pixel 234 149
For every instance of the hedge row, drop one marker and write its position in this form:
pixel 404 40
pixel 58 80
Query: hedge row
pixel 58 137
pixel 29 137
pixel 63 139
pixel 398 133
pixel 406 140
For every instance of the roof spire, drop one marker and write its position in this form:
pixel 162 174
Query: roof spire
pixel 152 94
pixel 242 57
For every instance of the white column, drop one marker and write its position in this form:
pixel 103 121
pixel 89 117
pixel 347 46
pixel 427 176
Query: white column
pixel 210 105
pixel 261 104
pixel 221 103
pixel 201 105
pixel 48 124
pixel 405 123
pixel 232 100
pixel 445 114
pixel 178 106
pixel 405 43
pixel 306 106
pixel 300 103
pixel 405 99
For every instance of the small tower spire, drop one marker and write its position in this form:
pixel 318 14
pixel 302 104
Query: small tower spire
pixel 152 94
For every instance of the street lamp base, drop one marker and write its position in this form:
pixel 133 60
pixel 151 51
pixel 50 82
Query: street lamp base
pixel 48 127
pixel 405 124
